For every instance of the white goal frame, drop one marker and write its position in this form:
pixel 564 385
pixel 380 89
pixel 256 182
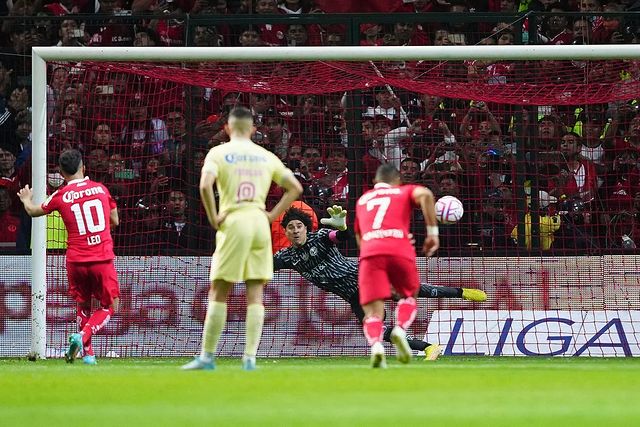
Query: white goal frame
pixel 239 54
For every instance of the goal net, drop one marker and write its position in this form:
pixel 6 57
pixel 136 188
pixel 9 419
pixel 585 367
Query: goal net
pixel 541 145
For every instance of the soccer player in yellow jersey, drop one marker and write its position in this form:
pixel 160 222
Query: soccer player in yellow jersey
pixel 242 172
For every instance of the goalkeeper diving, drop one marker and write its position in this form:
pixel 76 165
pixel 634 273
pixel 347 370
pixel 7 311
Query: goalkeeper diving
pixel 315 257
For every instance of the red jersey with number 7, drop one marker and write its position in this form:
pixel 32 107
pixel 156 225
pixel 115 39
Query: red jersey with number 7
pixel 383 216
pixel 85 208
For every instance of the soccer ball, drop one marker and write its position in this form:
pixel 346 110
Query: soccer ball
pixel 449 210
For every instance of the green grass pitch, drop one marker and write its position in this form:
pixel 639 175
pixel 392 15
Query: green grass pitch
pixel 331 392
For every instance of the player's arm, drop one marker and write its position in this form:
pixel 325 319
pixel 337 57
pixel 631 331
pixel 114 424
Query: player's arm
pixel 207 179
pixel 424 198
pixel 293 190
pixel 114 218
pixel 26 197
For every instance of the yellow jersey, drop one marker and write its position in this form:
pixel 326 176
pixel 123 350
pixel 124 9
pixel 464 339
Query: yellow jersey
pixel 243 172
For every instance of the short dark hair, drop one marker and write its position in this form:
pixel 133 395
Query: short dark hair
pixel 296 214
pixel 241 113
pixel 387 172
pixel 70 161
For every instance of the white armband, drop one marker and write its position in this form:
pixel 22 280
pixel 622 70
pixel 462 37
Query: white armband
pixel 432 230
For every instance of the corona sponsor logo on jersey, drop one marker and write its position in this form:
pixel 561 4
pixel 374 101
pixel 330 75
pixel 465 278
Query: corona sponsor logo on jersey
pixel 71 196
pixel 233 158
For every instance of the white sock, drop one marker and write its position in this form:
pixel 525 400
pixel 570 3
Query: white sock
pixel 254 322
pixel 213 325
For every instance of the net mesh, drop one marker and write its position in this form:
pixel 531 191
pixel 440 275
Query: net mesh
pixel 550 140
pixel 542 154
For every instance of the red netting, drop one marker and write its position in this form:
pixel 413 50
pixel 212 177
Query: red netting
pixel 515 82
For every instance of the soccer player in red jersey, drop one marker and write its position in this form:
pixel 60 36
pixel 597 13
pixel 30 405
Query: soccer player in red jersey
pixel 387 257
pixel 88 212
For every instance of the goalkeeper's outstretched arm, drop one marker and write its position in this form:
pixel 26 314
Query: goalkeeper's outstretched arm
pixel 337 218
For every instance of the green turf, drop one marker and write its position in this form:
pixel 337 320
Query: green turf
pixel 323 391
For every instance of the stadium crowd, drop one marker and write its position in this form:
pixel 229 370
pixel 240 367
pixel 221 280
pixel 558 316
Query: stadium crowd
pixel 146 139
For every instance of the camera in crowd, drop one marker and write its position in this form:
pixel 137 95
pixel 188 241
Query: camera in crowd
pixel 573 210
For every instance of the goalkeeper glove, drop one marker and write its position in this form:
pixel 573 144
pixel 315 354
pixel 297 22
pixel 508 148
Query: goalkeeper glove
pixel 338 218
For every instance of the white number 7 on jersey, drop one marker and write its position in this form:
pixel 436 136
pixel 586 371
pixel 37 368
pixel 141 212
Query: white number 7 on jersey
pixel 382 204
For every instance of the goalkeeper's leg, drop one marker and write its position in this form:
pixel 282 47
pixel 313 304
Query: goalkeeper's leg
pixel 430 291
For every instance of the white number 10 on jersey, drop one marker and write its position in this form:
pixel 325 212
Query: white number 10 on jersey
pixel 89 217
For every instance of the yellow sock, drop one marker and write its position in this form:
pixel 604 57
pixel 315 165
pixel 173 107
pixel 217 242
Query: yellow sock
pixel 213 326
pixel 254 322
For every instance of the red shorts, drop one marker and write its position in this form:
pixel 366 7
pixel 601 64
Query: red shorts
pixel 97 279
pixel 378 273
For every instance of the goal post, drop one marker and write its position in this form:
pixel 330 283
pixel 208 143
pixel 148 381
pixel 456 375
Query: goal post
pixel 42 55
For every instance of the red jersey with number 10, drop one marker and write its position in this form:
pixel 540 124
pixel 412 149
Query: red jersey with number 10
pixel 383 216
pixel 85 208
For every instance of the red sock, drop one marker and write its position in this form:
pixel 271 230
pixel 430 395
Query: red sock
pixel 372 328
pixel 82 319
pixel 96 322
pixel 406 311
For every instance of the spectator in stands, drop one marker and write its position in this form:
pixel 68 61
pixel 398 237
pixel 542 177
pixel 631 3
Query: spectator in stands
pixel 494 223
pixel 479 122
pixel 371 34
pixel 609 30
pixel 311 164
pixel 297 35
pixel 549 131
pixel 102 138
pixel 276 132
pixel 410 34
pixel 581 31
pixel 182 236
pixel 144 233
pixel 207 36
pixel 410 171
pixel 142 135
pixel 66 136
pixel 154 177
pixel 271 34
pixel 71 34
pixel 19 100
pixel 17 56
pixel 259 104
pixel 461 33
pixel 170 28
pixel 622 182
pixel 332 186
pixel 10 177
pixel 23 136
pixel 555 29
pixel 55 93
pixel 388 105
pixel 296 7
pixel 111 32
pixel 578 178
pixel 97 165
pixel 9 222
pixel 7 124
pixel 145 38
pixel 174 156
pixel 250 38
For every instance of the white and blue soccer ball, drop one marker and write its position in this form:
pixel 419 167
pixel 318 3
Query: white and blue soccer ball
pixel 449 210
